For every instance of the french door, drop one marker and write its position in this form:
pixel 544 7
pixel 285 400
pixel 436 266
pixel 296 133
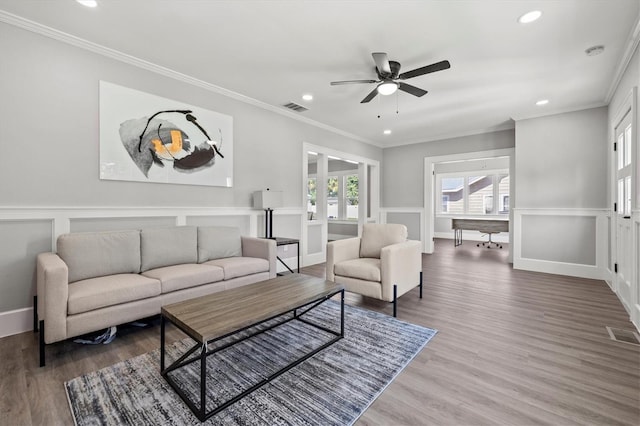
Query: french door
pixel 623 166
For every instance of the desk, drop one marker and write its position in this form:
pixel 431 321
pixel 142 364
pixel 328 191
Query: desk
pixel 486 226
pixel 280 241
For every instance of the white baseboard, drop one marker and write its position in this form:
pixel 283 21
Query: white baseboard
pixel 15 322
pixel 559 268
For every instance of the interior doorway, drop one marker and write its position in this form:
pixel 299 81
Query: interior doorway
pixel 340 194
pixel 476 185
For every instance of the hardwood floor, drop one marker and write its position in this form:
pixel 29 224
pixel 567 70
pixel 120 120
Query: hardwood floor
pixel 513 348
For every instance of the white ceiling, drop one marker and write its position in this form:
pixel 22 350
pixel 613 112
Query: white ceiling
pixel 274 51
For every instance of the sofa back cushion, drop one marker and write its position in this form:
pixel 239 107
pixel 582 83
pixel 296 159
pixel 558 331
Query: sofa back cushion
pixel 376 235
pixel 217 242
pixel 168 246
pixel 98 254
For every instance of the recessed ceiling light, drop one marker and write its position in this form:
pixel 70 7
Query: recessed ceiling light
pixel 387 132
pixel 542 102
pixel 530 17
pixel 307 97
pixel 88 3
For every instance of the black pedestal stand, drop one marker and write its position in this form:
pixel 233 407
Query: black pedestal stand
pixel 268 223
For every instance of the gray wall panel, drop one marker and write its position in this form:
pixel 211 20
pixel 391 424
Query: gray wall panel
pixel 20 244
pixel 241 222
pixel 570 239
pixel 410 220
pixel 119 223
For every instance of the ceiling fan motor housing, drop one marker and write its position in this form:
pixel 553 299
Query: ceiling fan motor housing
pixel 395 71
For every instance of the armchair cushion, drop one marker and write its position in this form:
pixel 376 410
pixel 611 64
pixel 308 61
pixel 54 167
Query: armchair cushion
pixel 367 269
pixel 376 236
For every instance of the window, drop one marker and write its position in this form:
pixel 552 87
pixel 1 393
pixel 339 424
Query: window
pixel 445 204
pixel 342 197
pixel 473 194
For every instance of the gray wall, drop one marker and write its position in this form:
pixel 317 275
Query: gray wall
pixel 561 160
pixel 403 166
pixel 50 129
pixel 49 134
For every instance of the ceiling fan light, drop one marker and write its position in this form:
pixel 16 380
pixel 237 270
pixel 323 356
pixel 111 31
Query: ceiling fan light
pixel 387 88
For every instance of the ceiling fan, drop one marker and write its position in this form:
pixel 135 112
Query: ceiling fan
pixel 389 74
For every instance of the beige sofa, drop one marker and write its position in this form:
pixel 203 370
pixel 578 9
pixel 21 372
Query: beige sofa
pixel 381 264
pixel 101 279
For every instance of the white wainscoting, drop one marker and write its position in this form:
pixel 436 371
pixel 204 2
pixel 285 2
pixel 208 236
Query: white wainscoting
pixel 544 247
pixel 29 231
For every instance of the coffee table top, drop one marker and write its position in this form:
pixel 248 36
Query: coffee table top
pixel 215 315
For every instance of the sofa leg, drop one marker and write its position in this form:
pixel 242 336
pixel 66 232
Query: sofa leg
pixel 395 300
pixel 420 284
pixel 41 339
pixel 35 314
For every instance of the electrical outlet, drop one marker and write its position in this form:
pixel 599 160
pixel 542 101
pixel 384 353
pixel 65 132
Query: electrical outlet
pixel 285 248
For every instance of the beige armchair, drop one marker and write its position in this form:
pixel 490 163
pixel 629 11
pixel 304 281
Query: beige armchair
pixel 381 264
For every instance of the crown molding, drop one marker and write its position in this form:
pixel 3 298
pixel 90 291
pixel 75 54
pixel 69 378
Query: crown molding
pixel 453 135
pixel 630 48
pixel 560 111
pixel 61 36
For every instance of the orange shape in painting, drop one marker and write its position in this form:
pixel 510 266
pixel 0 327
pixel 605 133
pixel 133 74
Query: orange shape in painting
pixel 174 148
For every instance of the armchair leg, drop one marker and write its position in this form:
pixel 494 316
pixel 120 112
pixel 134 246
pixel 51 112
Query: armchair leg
pixel 420 284
pixel 35 314
pixel 41 339
pixel 395 300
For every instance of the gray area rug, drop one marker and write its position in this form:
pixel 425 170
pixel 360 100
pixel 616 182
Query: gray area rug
pixel 334 387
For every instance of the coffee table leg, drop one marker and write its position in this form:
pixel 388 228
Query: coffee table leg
pixel 203 382
pixel 342 313
pixel 162 329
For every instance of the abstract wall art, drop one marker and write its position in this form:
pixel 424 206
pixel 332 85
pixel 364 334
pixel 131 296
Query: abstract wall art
pixel 147 138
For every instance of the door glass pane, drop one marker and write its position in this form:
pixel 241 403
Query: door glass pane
pixel 620 196
pixel 627 145
pixel 333 188
pixel 620 149
pixel 627 196
pixel 480 188
pixel 352 197
pixel 452 195
pixel 311 198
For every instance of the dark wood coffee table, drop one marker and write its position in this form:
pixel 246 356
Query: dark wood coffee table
pixel 217 316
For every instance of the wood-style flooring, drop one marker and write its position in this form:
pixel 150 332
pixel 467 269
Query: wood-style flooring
pixel 513 348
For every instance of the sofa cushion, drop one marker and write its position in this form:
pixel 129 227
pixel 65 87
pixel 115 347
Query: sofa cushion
pixel 216 242
pixel 100 292
pixel 365 268
pixel 240 266
pixel 168 246
pixel 177 277
pixel 97 254
pixel 376 235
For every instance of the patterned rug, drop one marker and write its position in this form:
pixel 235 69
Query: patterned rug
pixel 333 387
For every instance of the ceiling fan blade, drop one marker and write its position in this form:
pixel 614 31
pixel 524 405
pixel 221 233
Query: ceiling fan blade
pixel 370 96
pixel 438 66
pixel 415 91
pixel 382 63
pixel 337 83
